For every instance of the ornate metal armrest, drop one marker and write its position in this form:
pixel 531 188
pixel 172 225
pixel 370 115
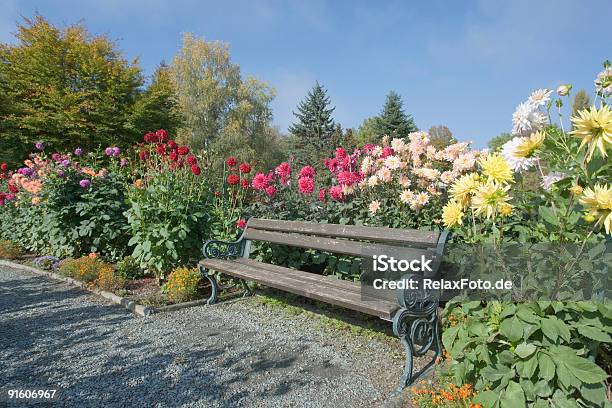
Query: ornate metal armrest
pixel 419 302
pixel 215 248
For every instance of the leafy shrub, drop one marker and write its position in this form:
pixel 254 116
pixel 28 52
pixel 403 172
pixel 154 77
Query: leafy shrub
pixel 182 284
pixel 129 269
pixel 529 354
pixel 169 205
pixel 109 279
pixel 86 269
pixel 10 250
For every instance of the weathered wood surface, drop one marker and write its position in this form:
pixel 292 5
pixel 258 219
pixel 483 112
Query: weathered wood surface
pixel 341 293
pixel 340 246
pixel 392 235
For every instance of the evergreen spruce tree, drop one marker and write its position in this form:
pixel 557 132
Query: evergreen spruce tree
pixel 314 127
pixel 393 121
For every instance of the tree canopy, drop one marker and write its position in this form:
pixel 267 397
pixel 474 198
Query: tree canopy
pixel 314 126
pixel 393 121
pixel 66 87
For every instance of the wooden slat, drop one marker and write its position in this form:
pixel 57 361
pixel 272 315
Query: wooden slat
pixel 387 294
pixel 292 283
pixel 340 246
pixel 392 235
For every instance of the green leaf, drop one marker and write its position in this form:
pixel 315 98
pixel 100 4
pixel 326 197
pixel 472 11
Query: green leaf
pixel 546 366
pixel 513 397
pixel 487 399
pixel 512 329
pixel 585 370
pixel 524 350
pixel 594 333
pixel 550 329
pixel 542 389
pixel 596 393
pixel 449 336
pixel 548 215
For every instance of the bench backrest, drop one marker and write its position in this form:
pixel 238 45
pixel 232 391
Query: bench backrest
pixel 348 239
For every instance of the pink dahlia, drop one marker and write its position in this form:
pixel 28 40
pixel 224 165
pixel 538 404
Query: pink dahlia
pixel 306 185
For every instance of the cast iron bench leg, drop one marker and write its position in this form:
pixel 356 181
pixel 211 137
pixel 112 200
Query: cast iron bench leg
pixel 214 286
pixel 416 329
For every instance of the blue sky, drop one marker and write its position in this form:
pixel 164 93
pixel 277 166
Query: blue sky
pixel 462 64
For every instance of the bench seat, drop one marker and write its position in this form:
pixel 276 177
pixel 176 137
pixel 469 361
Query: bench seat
pixel 313 286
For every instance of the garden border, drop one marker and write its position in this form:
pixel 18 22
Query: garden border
pixel 130 305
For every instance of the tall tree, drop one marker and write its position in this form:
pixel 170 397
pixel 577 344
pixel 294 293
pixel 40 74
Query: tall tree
pixel 393 121
pixel 157 107
pixel 366 132
pixel 581 101
pixel 220 110
pixel 314 126
pixel 440 136
pixel 66 87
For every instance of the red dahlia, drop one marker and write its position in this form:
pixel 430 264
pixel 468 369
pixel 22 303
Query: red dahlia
pixel 161 148
pixel 183 150
pixel 191 159
pixel 174 156
pixel 245 183
pixel 172 144
pixel 244 168
pixel 162 135
pixel 233 179
pixel 231 161
pixel 195 170
pixel 3 166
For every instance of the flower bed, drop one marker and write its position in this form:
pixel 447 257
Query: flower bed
pixel 158 202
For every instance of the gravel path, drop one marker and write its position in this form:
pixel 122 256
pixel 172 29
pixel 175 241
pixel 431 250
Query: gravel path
pixel 234 354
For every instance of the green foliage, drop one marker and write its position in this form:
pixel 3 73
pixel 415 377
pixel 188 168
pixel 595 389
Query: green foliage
pixel 220 110
pixel 157 108
pixel 77 90
pixel 393 121
pixel 314 126
pixel 528 354
pixel 366 133
pixel 498 141
pixel 168 215
pixel 129 269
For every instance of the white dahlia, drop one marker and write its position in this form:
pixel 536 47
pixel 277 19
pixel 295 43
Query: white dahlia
pixel 515 160
pixel 540 97
pixel 527 119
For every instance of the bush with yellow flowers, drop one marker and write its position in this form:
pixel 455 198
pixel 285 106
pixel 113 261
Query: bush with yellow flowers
pixel 182 284
pixel 443 395
pixel 10 250
pixel 87 269
pixel 109 279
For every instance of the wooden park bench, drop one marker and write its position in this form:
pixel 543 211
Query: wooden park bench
pixel 414 318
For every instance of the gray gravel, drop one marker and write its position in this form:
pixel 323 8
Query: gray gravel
pixel 232 354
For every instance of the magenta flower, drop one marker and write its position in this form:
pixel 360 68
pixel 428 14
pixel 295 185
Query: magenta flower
pixel 78 151
pixel 306 185
pixel 123 162
pixel 108 151
pixel 40 146
pixel 85 183
pixel 116 151
pixel 307 171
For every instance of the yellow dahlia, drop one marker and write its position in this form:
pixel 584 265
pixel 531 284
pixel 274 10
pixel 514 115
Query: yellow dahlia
pixel 490 198
pixel 505 209
pixel 464 187
pixel 527 145
pixel 496 168
pixel 594 126
pixel 452 214
pixel 598 203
